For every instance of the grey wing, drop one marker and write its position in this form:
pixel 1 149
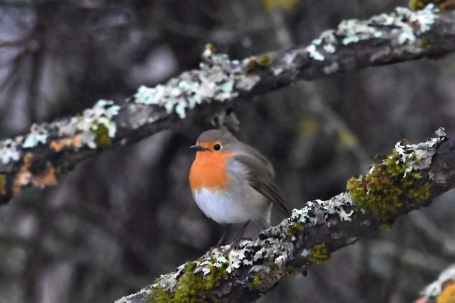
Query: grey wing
pixel 260 175
pixel 246 150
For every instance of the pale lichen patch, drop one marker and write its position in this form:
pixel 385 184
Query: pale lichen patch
pixel 317 211
pixel 87 124
pixel 441 132
pixel 218 79
pixel 326 41
pixel 38 134
pixel 235 259
pixel 335 205
pixel 10 150
pixel 402 27
pixel 169 281
pixel 405 24
pixel 314 53
pixel 286 63
pixel 353 31
pixel 418 156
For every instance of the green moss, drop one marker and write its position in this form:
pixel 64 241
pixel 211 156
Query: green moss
pixel 256 284
pixel 336 236
pixel 416 5
pixel 2 184
pixel 319 254
pixel 215 276
pixel 159 295
pixel 386 226
pixel 265 60
pixel 443 5
pixel 386 188
pixel 294 228
pixel 272 265
pixel 210 47
pixel 191 286
pixel 425 43
pixel 291 270
pixel 102 138
pixel 251 64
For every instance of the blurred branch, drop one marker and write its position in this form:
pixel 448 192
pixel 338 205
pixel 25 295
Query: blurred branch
pixel 393 280
pixel 335 122
pixel 406 180
pixel 47 151
pixel 445 240
pixel 411 257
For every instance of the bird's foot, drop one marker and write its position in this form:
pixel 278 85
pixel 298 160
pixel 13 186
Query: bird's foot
pixel 237 243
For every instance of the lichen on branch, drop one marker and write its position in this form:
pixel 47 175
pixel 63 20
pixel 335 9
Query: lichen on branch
pixel 397 181
pixel 219 82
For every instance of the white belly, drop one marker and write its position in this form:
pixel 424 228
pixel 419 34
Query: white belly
pixel 226 207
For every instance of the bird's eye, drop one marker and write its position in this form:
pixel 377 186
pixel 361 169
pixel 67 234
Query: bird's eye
pixel 217 147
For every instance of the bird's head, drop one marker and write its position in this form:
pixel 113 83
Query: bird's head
pixel 215 141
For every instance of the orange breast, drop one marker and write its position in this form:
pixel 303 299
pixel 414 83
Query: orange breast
pixel 209 170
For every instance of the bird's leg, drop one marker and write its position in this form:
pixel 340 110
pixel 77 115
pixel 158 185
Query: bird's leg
pixel 223 237
pixel 243 230
pixel 221 240
pixel 235 244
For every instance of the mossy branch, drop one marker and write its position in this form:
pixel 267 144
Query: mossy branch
pixel 40 156
pixel 407 179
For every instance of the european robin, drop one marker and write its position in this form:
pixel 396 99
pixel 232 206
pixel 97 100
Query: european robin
pixel 232 182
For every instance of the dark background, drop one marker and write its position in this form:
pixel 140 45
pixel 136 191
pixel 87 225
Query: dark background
pixel 126 216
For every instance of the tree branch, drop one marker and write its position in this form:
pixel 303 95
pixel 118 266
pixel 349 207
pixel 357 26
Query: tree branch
pixel 409 178
pixel 47 151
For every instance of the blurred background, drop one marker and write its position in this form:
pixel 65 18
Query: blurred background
pixel 126 216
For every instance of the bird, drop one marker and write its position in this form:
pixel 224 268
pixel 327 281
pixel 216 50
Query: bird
pixel 232 182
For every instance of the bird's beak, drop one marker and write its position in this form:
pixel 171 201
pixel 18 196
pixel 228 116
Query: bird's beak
pixel 198 147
